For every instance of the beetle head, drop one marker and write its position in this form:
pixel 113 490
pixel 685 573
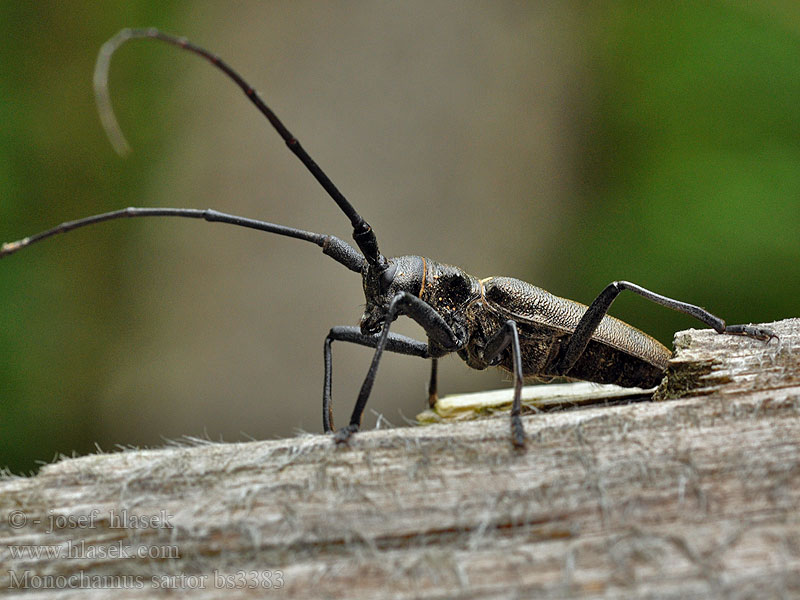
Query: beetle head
pixel 403 274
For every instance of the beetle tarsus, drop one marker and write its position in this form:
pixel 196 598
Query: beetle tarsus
pixel 343 435
pixel 517 432
pixel 759 333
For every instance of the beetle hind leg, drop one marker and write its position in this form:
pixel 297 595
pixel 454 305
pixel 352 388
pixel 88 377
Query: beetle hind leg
pixel 599 307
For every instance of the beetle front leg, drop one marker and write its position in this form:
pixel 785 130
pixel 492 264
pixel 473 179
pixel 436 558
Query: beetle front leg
pixel 597 310
pixel 506 336
pixel 394 343
pixel 433 324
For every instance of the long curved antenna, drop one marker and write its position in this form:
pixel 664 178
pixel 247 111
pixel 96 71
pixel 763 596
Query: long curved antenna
pixel 331 245
pixel 362 231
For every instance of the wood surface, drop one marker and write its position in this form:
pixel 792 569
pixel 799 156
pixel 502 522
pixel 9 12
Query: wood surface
pixel 694 495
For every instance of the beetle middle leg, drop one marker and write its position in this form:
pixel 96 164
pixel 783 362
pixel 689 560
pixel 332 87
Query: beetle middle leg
pixel 599 307
pixel 505 337
pixel 433 383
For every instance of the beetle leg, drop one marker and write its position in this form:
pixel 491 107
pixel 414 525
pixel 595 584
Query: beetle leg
pixel 433 386
pixel 433 324
pixel 506 336
pixel 597 310
pixel 394 343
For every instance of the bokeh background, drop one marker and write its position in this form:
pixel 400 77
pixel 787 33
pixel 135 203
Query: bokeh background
pixel 565 145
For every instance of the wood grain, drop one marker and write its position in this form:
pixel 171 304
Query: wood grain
pixel 694 496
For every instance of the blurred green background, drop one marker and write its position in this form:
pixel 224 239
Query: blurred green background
pixel 567 146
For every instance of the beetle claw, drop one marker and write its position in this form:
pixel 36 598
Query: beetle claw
pixel 759 333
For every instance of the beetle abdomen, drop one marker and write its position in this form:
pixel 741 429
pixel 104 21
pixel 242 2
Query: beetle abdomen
pixel 618 353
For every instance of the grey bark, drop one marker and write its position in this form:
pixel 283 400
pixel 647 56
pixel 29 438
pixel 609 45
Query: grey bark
pixel 695 495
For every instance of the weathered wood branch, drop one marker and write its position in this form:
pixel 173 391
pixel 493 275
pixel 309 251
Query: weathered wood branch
pixel 693 496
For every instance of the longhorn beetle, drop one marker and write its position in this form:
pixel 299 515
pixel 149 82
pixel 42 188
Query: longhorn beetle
pixel 497 321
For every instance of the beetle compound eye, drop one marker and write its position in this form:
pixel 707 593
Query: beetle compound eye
pixel 387 277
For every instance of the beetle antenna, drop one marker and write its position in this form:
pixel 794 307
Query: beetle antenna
pixel 362 231
pixel 337 249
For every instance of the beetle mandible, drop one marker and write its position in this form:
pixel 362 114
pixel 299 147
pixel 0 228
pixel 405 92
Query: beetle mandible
pixel 497 321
